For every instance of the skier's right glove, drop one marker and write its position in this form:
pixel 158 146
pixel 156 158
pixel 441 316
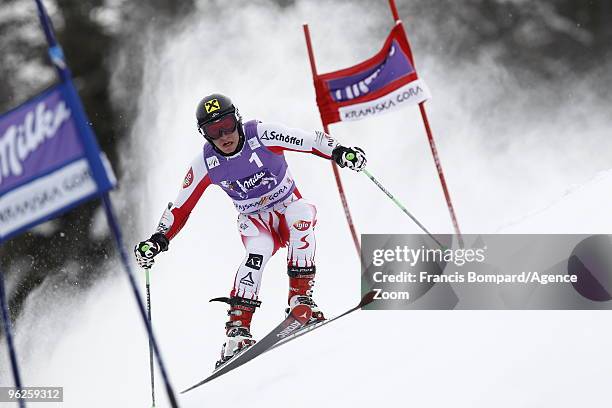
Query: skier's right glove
pixel 147 250
pixel 351 157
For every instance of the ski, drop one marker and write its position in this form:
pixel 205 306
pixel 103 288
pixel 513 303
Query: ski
pixel 289 329
pixel 298 317
pixel 367 299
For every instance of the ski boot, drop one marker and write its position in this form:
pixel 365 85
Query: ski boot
pixel 238 340
pixel 238 332
pixel 301 283
pixel 317 315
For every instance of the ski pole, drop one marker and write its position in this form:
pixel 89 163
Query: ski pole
pixel 8 332
pixel 395 200
pixel 150 345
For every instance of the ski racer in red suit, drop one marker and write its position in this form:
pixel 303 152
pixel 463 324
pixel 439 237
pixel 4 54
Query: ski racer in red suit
pixel 247 161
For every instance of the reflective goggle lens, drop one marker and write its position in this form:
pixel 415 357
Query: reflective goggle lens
pixel 226 124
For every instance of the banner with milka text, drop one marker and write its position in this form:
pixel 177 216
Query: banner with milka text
pixel 385 82
pixel 44 170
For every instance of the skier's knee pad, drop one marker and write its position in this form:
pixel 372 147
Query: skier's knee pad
pixel 301 215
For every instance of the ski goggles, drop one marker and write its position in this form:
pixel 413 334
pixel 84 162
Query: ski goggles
pixel 215 129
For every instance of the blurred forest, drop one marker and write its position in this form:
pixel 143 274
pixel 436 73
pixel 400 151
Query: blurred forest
pixel 570 36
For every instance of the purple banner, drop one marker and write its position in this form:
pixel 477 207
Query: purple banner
pixel 37 138
pixel 395 66
pixel 384 82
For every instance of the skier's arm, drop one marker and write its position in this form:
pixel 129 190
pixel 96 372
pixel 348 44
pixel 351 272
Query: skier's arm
pixel 176 214
pixel 279 138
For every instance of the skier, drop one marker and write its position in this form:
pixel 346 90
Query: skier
pixel 247 161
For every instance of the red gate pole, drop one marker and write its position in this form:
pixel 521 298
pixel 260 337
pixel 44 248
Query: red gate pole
pixel 432 145
pixel 434 152
pixel 347 211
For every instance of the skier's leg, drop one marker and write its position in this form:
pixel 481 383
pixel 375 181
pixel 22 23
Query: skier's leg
pixel 260 245
pixel 300 219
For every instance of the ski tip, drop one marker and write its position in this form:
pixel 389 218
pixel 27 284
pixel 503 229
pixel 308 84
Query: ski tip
pixel 302 313
pixel 367 298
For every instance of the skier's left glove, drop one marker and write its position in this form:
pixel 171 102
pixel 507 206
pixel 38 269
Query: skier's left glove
pixel 352 157
pixel 147 250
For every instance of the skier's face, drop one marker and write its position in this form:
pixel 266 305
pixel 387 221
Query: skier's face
pixel 228 142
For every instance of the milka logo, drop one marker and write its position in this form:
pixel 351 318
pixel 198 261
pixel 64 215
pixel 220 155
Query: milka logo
pixel 253 181
pixel 360 88
pixel 367 85
pixel 261 178
pixel 21 140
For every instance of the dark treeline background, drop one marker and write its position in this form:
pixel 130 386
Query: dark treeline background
pixel 543 40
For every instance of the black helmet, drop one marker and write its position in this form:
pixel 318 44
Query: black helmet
pixel 212 109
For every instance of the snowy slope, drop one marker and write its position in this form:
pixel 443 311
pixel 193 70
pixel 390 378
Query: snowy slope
pixel 582 209
pixel 95 347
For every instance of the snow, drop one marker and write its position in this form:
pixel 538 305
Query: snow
pixel 583 209
pixel 500 165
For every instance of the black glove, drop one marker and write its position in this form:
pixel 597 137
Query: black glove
pixel 147 250
pixel 351 157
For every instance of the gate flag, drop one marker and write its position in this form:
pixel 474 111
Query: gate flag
pixel 378 85
pixel 44 170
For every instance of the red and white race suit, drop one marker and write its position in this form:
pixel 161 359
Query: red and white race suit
pixel 272 212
